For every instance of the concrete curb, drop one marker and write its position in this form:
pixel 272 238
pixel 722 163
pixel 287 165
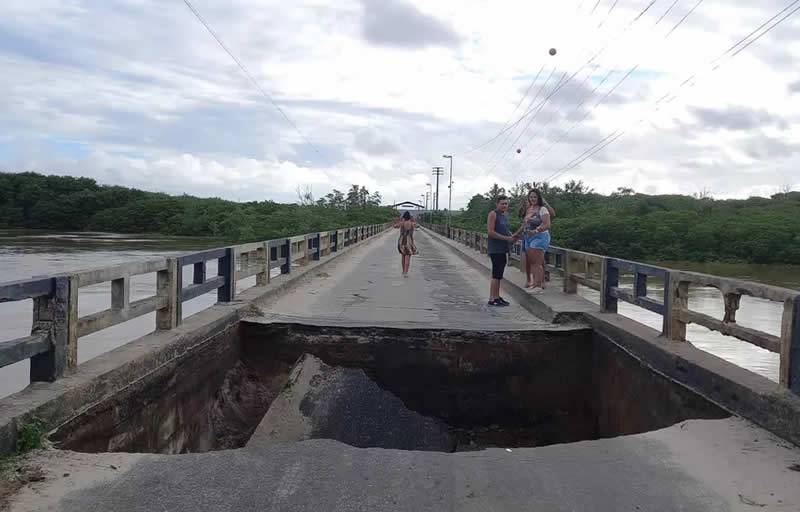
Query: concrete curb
pixel 56 403
pixel 552 306
pixel 733 388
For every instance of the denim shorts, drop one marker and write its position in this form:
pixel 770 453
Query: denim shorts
pixel 537 241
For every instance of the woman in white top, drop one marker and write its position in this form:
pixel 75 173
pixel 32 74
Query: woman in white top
pixel 536 239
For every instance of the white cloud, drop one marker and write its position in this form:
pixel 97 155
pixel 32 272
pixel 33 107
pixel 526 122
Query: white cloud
pixel 138 94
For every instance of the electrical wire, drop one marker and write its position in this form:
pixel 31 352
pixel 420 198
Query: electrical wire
pixel 564 82
pixel 606 95
pixel 513 125
pixel 533 100
pixel 250 76
pixel 717 62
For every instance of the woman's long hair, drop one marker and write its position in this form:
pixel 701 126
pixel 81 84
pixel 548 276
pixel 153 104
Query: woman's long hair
pixel 406 216
pixel 523 209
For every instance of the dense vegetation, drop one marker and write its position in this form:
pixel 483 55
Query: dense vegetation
pixel 660 228
pixel 624 224
pixel 35 201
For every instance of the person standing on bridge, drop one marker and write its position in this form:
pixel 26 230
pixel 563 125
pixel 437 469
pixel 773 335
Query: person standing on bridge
pixel 537 238
pixel 405 244
pixel 500 239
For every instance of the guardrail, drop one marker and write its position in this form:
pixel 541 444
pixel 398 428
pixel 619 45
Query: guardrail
pixel 602 273
pixel 52 346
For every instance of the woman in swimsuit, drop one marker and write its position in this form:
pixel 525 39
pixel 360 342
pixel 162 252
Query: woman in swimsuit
pixel 537 239
pixel 405 244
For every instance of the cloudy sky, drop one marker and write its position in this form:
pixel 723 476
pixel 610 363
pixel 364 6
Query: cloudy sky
pixel 138 93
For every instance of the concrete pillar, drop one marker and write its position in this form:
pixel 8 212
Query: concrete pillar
pixel 678 301
pixel 121 293
pixel 790 345
pixel 167 286
pixel 262 257
pixel 56 314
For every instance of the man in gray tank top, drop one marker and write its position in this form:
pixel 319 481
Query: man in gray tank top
pixel 500 239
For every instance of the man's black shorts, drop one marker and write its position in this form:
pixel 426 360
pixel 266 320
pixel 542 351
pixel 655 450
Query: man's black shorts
pixel 498 265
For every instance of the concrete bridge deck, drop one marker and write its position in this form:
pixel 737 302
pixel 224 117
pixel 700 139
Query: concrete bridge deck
pixel 442 292
pixel 713 465
pixel 717 465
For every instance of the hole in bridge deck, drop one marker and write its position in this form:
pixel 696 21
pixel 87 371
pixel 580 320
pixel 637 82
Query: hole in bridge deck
pixel 405 389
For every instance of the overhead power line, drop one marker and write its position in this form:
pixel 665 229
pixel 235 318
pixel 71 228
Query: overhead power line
pixel 250 76
pixel 502 130
pixel 728 54
pixel 562 82
pixel 506 127
pixel 605 96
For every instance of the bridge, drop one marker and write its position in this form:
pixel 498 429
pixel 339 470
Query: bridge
pixel 336 384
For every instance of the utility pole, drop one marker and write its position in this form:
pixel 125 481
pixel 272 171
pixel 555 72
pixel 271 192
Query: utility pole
pixel 450 194
pixel 430 195
pixel 427 198
pixel 437 171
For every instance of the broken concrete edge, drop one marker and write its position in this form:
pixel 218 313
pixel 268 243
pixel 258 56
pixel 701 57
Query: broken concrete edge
pixel 731 387
pixel 282 410
pixel 56 403
pixel 402 334
pixel 278 319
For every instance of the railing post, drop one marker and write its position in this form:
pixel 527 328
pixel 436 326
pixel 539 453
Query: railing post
pixel 226 267
pixel 570 286
pixel 166 286
pixel 678 297
pixel 639 284
pixel 306 247
pixel 790 345
pixel 179 291
pixel 243 262
pixel 286 252
pixel 121 293
pixel 262 257
pixel 609 276
pixel 666 321
pixel 58 315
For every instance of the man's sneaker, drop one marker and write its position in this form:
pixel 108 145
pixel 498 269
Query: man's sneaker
pixel 497 302
pixel 535 291
pixel 504 301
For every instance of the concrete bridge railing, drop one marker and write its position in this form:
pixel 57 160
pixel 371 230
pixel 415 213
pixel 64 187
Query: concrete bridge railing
pixel 52 345
pixel 602 273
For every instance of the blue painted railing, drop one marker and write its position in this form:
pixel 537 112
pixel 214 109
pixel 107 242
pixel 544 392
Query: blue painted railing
pixel 602 273
pixel 52 345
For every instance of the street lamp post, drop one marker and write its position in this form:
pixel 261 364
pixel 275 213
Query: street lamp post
pixel 450 193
